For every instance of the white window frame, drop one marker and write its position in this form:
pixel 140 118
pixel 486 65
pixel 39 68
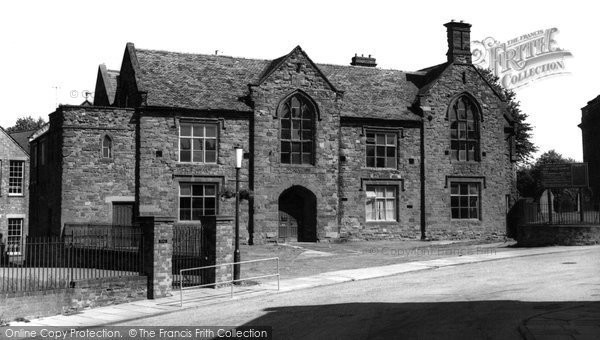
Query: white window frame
pixel 11 177
pixel 203 139
pixel 18 236
pixel 376 208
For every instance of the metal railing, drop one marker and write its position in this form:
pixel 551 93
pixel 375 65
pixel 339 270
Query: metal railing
pixel 44 263
pixel 232 281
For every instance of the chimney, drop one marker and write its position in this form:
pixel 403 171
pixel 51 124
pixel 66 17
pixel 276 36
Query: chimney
pixel 459 42
pixel 363 61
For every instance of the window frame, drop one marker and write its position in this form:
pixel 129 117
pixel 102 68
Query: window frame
pixel 203 139
pixel 19 244
pixel 385 199
pixel 468 196
pixel 105 147
pixel 386 146
pixel 455 133
pixel 11 178
pixel 312 113
pixel 191 196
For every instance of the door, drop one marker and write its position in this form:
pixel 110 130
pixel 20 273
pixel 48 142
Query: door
pixel 122 213
pixel 288 227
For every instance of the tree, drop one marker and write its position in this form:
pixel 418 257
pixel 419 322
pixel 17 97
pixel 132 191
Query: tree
pixel 523 144
pixel 529 176
pixel 26 124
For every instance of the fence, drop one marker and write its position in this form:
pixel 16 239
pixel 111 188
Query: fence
pixel 562 206
pixel 83 252
pixel 230 282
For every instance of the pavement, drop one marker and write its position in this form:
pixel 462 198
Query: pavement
pixel 581 322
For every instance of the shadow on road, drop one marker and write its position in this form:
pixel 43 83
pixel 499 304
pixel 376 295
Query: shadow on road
pixel 443 320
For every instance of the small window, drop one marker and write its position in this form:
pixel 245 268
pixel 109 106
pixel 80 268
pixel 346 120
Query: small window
pixel 198 143
pixel 15 236
pixel 15 178
pixel 43 152
pixel 107 144
pixel 464 200
pixel 197 200
pixel 381 203
pixel 381 150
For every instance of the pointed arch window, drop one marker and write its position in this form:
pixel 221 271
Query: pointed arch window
pixel 297 131
pixel 107 145
pixel 464 130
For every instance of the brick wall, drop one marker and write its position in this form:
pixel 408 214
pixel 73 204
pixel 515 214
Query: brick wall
pixel 12 206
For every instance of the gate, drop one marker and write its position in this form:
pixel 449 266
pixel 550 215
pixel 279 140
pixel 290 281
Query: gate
pixel 193 247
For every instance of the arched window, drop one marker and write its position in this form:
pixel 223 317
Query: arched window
pixel 297 131
pixel 464 130
pixel 106 147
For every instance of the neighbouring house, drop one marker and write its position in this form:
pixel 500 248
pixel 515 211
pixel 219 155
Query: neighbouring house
pixel 331 151
pixel 14 194
pixel 590 125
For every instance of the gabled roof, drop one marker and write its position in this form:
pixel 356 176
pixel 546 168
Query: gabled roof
pixel 106 86
pixel 21 143
pixel 275 64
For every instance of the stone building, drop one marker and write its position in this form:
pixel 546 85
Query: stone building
pixel 14 195
pixel 332 151
pixel 590 125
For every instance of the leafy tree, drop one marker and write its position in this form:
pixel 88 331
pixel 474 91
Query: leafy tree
pixel 524 146
pixel 26 124
pixel 529 175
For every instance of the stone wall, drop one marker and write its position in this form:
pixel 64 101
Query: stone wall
pixel 160 172
pixel 355 176
pixel 494 171
pixel 557 235
pixel 85 294
pixel 271 177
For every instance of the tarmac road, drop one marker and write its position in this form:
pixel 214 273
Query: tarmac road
pixel 486 300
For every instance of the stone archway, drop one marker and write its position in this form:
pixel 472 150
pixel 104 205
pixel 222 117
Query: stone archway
pixel 297 215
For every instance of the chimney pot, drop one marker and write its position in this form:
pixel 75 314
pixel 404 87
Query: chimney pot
pixel 363 61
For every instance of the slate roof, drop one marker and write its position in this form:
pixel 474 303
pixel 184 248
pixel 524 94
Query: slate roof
pixel 22 138
pixel 210 82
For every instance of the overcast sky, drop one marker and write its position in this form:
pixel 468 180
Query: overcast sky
pixel 51 49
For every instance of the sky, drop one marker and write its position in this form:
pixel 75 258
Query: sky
pixel 51 49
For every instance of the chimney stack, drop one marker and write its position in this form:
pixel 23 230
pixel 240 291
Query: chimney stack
pixel 363 61
pixel 459 42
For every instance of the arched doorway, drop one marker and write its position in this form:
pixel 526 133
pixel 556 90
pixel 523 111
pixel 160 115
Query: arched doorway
pixel 297 215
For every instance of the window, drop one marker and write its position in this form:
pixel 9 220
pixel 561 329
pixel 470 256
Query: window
pixel 464 130
pixel 197 200
pixel 43 152
pixel 381 203
pixel 34 155
pixel 15 234
pixel 464 200
pixel 107 147
pixel 198 143
pixel 381 150
pixel 15 178
pixel 297 125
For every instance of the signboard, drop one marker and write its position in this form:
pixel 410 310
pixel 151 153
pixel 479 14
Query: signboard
pixel 570 175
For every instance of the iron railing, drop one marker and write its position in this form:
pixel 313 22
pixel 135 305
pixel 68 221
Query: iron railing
pixel 230 282
pixel 43 263
pixel 562 206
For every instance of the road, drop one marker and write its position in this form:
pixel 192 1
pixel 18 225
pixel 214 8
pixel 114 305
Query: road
pixel 484 300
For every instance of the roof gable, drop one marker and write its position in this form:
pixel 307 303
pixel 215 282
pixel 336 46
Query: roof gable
pixel 106 86
pixel 15 144
pixel 278 63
